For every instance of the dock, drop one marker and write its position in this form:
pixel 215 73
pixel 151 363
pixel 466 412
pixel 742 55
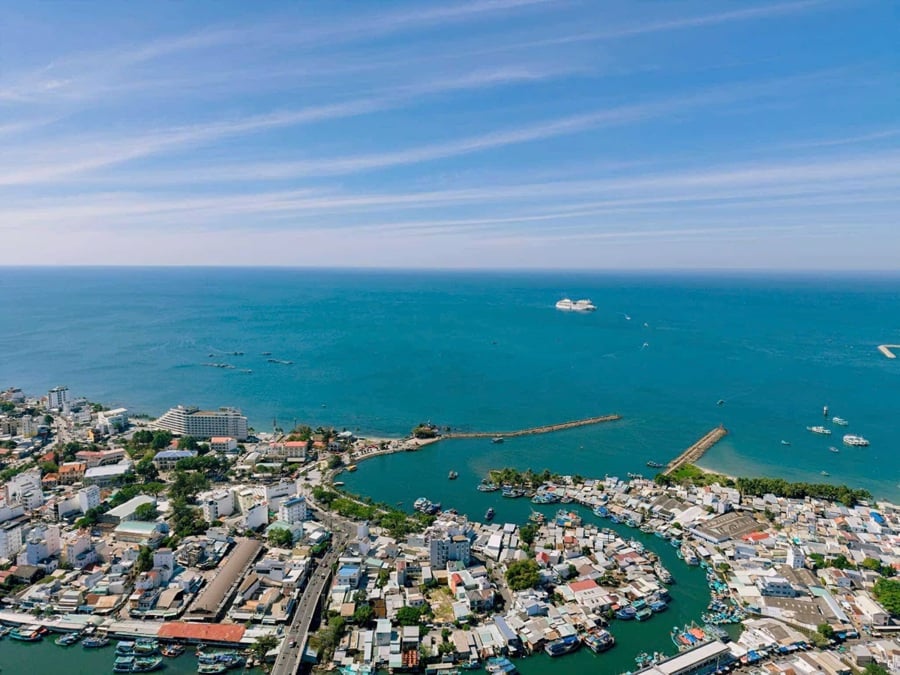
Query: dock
pixel 547 429
pixel 697 450
pixel 886 350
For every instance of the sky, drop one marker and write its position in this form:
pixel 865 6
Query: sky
pixel 474 134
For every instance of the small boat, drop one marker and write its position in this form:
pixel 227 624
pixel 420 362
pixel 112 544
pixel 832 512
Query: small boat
pixel 146 664
pixel 856 441
pixel 537 517
pixel 123 664
pixel 564 645
pixel 95 642
pixel 655 465
pixel 840 421
pixel 720 402
pixel 497 439
pixel 146 646
pixel 824 411
pixel 643 614
pixel 785 442
pixel 338 483
pixel 825 473
pixel 487 487
pixel 125 648
pixel 489 514
pixel 351 467
pixel 67 639
pixel 500 664
pixel 34 633
pixel 211 667
pixel 453 475
pixel 626 613
pixel 819 429
pixel 659 606
pixel 599 641
pixel 172 650
pixel 834 449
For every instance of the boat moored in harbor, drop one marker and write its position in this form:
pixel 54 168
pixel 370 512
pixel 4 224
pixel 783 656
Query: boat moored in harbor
pixel 564 645
pixel 489 514
pixel 33 633
pixel 599 641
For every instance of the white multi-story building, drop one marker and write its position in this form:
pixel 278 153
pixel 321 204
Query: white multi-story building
pixel 293 510
pixel 449 539
pixel 795 558
pixel 216 504
pixel 78 550
pixel 223 444
pixel 25 489
pixel 256 516
pixel 10 540
pixel 41 543
pixel 113 420
pixel 164 563
pixel 58 398
pixel 88 498
pixel 775 587
pixel 26 426
pixel 191 421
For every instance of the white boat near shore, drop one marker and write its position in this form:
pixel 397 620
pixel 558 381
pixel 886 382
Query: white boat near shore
pixel 856 441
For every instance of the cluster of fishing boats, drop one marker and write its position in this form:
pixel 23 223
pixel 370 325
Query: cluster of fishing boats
pixel 643 608
pixel 722 609
pixel 692 635
pixel 219 662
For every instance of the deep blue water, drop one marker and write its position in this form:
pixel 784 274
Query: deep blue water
pixel 380 351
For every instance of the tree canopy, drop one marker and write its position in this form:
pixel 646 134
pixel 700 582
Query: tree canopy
pixel 887 592
pixel 522 574
pixel 281 537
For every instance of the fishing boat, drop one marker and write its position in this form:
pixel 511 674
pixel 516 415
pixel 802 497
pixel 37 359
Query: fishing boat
pixel 511 492
pixel 230 659
pixel 819 429
pixel 67 639
pixel 95 642
pixel 626 613
pixel 489 514
pixel 599 641
pixel 659 606
pixel 601 511
pixel 145 646
pixel 351 467
pixel 840 421
pixel 497 439
pixel 643 614
pixel 562 646
pixel 172 650
pixel 663 574
pixel 33 633
pixel 125 648
pixel 487 487
pixel 123 664
pixel 655 465
pixel 146 664
pixel 856 441
pixel 453 475
pixel 567 518
pixel 211 667
pixel 500 664
pixel 537 517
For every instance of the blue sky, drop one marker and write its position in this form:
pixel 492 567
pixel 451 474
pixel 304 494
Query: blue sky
pixel 485 133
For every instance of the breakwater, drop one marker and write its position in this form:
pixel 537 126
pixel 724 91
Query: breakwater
pixel 546 429
pixel 697 450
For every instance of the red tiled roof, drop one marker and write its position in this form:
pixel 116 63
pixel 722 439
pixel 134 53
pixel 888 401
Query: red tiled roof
pixel 206 632
pixel 756 536
pixel 584 585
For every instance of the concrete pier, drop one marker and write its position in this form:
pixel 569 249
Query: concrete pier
pixel 547 429
pixel 886 350
pixel 697 450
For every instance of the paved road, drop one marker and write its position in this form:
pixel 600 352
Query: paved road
pixel 289 657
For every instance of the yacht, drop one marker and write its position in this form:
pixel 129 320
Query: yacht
pixel 857 441
pixel 840 421
pixel 583 305
pixel 819 429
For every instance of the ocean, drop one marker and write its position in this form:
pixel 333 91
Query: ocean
pixel 379 352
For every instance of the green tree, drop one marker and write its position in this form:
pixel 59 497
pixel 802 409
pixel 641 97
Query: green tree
pixel 161 439
pixel 527 533
pixel 363 615
pixel 408 616
pixel 875 669
pixel 146 469
pixel 522 574
pixel 146 512
pixel 144 560
pixel 49 467
pixel 281 537
pixel 263 645
pixel 188 443
pixel 825 630
pixel 887 592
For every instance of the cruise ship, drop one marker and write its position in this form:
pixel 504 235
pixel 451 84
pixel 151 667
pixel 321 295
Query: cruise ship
pixel 819 430
pixel 583 305
pixel 858 441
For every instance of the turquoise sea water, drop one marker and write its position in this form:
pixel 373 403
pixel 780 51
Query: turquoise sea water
pixel 380 351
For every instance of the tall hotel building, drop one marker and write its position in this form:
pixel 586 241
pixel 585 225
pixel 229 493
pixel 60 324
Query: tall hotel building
pixel 191 421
